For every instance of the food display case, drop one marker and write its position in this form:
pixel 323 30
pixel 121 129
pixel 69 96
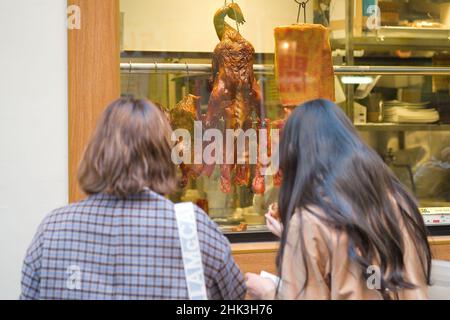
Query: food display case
pixel 392 78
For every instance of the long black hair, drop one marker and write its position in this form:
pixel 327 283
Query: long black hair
pixel 326 164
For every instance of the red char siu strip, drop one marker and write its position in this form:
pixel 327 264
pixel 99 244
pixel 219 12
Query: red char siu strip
pixel 303 63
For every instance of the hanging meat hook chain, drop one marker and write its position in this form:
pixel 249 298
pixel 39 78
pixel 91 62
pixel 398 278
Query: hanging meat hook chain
pixel 301 4
pixel 130 69
pixel 237 24
pixel 187 79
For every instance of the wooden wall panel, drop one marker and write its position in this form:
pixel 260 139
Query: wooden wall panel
pixel 94 75
pixel 440 247
pixel 254 257
pixel 256 262
pixel 441 251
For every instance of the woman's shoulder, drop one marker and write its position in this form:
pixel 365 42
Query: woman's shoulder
pixel 312 223
pixel 312 216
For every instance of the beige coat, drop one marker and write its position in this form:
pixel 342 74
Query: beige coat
pixel 331 273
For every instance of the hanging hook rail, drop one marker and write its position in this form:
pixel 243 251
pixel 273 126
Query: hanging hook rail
pixel 181 67
pixel 234 11
pixel 266 68
pixel 301 4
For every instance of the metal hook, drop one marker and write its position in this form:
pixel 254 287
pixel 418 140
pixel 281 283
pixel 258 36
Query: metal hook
pixel 157 82
pixel 301 4
pixel 187 78
pixel 235 16
pixel 237 24
pixel 130 68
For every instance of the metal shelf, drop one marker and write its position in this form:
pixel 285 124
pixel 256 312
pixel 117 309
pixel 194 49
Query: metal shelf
pixel 399 127
pixel 405 38
pixel 383 44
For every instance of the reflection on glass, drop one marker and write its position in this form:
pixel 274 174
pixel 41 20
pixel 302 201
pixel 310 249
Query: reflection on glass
pixel 405 118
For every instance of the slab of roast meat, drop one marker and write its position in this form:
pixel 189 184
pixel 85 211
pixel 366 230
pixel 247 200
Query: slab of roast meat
pixel 303 63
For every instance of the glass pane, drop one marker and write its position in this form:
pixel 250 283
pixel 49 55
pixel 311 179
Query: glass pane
pixel 179 50
pixel 390 27
pixel 406 119
pixel 154 32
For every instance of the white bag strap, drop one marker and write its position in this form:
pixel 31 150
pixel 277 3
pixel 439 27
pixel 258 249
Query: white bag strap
pixel 190 250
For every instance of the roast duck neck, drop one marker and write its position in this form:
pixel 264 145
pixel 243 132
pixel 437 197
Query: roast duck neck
pixel 235 94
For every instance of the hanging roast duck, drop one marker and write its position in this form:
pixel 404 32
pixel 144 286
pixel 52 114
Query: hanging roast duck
pixel 236 94
pixel 182 116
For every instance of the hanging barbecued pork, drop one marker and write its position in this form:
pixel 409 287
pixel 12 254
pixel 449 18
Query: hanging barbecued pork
pixel 303 68
pixel 236 94
pixel 303 63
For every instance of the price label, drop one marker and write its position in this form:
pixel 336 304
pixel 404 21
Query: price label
pixel 435 210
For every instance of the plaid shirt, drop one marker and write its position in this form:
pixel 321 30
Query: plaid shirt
pixel 107 248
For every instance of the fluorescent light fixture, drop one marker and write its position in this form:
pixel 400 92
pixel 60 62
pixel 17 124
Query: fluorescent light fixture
pixel 356 79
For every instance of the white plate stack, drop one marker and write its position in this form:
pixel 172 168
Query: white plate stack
pixel 406 112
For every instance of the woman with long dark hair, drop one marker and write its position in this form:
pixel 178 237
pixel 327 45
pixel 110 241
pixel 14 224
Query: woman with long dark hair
pixel 351 230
